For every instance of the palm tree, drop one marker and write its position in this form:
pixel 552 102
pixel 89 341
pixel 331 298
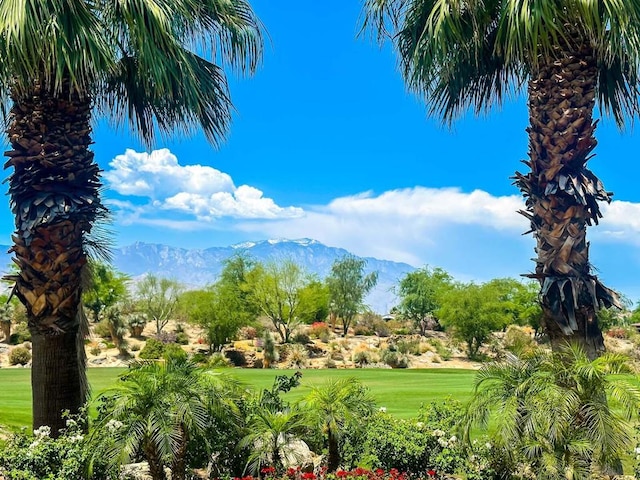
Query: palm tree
pixel 160 407
pixel 565 55
pixel 64 60
pixel 270 434
pixel 335 405
pixel 552 409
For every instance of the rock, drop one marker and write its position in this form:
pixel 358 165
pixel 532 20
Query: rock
pixel 296 453
pixel 139 471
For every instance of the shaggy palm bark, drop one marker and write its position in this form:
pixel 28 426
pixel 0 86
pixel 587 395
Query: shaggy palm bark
pixel 562 195
pixel 333 460
pixel 54 197
pixel 156 468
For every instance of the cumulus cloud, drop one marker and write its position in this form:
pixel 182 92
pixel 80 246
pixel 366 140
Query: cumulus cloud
pixel 197 190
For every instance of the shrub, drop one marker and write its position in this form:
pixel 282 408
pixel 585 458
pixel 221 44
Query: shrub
pixel 153 349
pixel 394 359
pixel 297 356
pixel 95 350
pixel 182 338
pixel 166 337
pixel 43 457
pixel 173 350
pixel 135 347
pixel 363 329
pixel 301 337
pixel 218 360
pixel 362 357
pixel 247 333
pixel 330 363
pixel 518 340
pixel 102 330
pixel 409 346
pixel 320 330
pixel 270 353
pixel 19 356
pixel 20 334
pixel 381 328
pixel 618 332
pixel 442 350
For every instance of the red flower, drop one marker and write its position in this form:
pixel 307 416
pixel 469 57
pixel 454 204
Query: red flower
pixel 342 474
pixel 431 473
pixel 268 470
pixel 379 472
pixel 309 476
pixel 291 472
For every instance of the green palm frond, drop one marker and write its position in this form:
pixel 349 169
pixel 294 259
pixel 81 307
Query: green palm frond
pixel 474 54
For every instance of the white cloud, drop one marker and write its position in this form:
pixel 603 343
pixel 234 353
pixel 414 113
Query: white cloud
pixel 200 191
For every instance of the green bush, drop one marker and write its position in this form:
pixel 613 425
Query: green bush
pixel 394 359
pixel 42 457
pixel 19 356
pixel 102 330
pixel 153 350
pixel 362 357
pixel 182 338
pixel 301 338
pixel 20 334
pixel 443 351
pixel 518 340
pixel 173 350
pixel 409 346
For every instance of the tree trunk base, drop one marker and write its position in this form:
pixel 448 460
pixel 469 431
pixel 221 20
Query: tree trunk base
pixel 56 383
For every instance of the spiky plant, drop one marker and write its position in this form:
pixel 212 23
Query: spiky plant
pixel 564 55
pixel 137 62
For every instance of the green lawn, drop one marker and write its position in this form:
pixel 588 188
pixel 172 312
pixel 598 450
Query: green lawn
pixel 400 391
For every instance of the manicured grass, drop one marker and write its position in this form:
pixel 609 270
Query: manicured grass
pixel 400 391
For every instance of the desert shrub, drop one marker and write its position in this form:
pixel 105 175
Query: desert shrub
pixel 95 350
pixel 101 329
pixel 179 328
pixel 166 337
pixel 182 338
pixel 396 327
pixel 20 334
pixel 362 357
pixel 153 349
pixel 518 340
pixel 320 330
pixel 381 328
pixel 135 347
pixel 218 360
pixel 330 363
pixel 394 359
pixel 19 356
pixel 301 337
pixel 297 356
pixel 409 346
pixel 173 350
pixel 363 329
pixel 247 333
pixel 442 350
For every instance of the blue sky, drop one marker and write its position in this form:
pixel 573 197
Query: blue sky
pixel 327 144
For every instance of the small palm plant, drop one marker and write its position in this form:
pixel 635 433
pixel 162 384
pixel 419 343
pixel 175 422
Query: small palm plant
pixel 160 407
pixel 270 436
pixel 555 410
pixel 333 406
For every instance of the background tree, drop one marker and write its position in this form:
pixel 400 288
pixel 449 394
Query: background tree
pixel 348 285
pixel 277 290
pixel 420 293
pixel 333 407
pixel 472 312
pixel 106 288
pixel 563 56
pixel 135 63
pixel 315 297
pixel 158 298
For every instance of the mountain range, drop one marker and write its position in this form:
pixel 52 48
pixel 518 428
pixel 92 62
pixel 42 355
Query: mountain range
pixel 196 268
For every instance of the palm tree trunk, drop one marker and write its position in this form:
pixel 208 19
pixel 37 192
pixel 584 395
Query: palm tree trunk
pixel 562 195
pixel 178 465
pixel 156 468
pixel 54 197
pixel 333 460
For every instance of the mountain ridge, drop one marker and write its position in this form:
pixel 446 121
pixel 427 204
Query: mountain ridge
pixel 199 267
